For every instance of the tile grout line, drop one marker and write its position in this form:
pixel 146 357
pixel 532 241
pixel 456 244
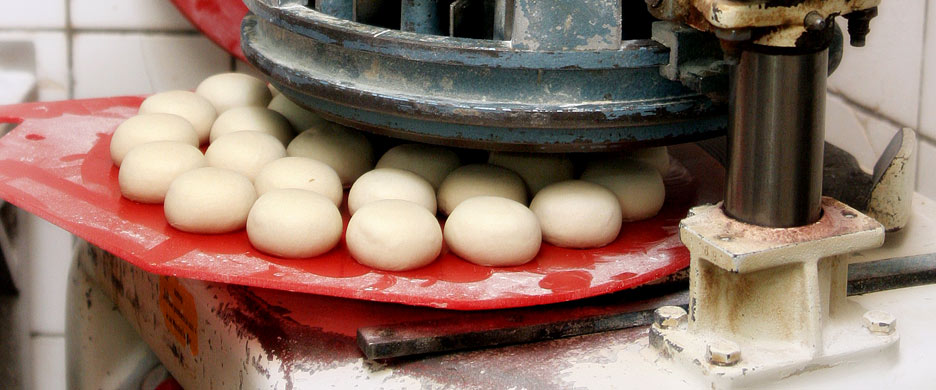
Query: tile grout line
pixel 867 111
pixel 69 50
pixel 926 5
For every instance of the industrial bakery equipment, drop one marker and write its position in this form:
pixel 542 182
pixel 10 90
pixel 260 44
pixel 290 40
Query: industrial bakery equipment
pixel 769 266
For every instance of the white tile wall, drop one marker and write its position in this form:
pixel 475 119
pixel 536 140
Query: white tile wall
pixel 48 363
pixel 107 64
pixel 33 14
pixel 51 60
pixel 127 14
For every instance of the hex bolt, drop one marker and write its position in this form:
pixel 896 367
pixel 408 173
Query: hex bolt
pixel 859 25
pixel 880 322
pixel 669 317
pixel 814 22
pixel 723 352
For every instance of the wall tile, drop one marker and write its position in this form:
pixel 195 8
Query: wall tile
pixel 49 255
pixel 926 163
pixel 845 129
pixel 127 14
pixel 928 96
pixel 48 363
pixel 885 74
pixel 33 14
pixel 51 61
pixel 108 64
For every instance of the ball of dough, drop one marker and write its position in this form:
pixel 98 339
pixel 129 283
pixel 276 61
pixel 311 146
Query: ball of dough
pixel 431 162
pixel 347 151
pixel 657 157
pixel 537 170
pixel 638 186
pixel 302 173
pixel 259 119
pixel 477 180
pixel 189 105
pixel 299 118
pixel 391 183
pixel 294 223
pixel 577 214
pixel 394 235
pixel 209 200
pixel 244 152
pixel 146 128
pixel 229 90
pixel 493 231
pixel 148 169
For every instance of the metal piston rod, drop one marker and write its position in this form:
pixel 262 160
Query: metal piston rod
pixel 775 137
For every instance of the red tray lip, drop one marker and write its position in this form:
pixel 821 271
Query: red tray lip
pixel 18 113
pixel 219 20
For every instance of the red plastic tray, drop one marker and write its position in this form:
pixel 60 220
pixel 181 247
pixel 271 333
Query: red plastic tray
pixel 56 164
pixel 219 20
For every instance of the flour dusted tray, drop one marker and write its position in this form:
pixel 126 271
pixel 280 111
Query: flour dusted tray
pixel 56 164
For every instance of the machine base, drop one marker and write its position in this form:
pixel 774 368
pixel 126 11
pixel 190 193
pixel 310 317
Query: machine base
pixel 768 303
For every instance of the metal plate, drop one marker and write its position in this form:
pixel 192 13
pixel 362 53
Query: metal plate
pixel 56 164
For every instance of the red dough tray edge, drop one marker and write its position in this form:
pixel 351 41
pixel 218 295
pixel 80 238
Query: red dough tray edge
pixel 56 164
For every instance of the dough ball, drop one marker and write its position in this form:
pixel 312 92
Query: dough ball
pixel 273 91
pixel 294 223
pixel 577 214
pixel 537 170
pixel 299 118
pixel 657 157
pixel 493 231
pixel 228 90
pixel 302 173
pixel 146 128
pixel 209 200
pixel 189 105
pixel 638 186
pixel 431 162
pixel 347 151
pixel 244 152
pixel 259 119
pixel 148 169
pixel 394 235
pixel 391 183
pixel 477 180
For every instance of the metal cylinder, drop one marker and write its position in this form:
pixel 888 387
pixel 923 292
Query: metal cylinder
pixel 776 138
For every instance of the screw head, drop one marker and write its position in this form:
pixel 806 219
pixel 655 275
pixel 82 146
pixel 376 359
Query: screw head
pixel 723 352
pixel 669 317
pixel 880 322
pixel 814 21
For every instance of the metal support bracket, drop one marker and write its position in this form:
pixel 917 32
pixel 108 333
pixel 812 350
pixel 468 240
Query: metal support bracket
pixel 766 303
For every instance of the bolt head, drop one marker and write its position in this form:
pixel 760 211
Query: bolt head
pixel 814 22
pixel 669 317
pixel 880 322
pixel 723 352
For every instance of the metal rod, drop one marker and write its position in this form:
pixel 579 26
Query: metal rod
pixel 338 8
pixel 775 138
pixel 420 16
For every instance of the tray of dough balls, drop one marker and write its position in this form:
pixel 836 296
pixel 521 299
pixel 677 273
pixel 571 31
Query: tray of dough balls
pixel 219 185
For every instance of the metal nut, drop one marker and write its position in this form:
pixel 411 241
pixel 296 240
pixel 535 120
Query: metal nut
pixel 723 353
pixel 880 322
pixel 669 317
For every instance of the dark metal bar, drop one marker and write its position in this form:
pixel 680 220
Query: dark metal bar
pixel 420 16
pixel 338 8
pixel 775 138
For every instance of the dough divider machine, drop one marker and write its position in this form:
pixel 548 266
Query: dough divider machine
pixel 770 260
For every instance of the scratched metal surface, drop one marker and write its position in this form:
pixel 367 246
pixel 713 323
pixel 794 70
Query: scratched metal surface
pixel 56 165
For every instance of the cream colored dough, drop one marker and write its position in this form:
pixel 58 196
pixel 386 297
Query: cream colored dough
pixel 638 186
pixel 294 223
pixel 477 180
pixel 209 201
pixel 259 119
pixel 577 214
pixel 228 90
pixel 391 183
pixel 347 151
pixel 245 152
pixel 302 173
pixel 146 128
pixel 537 170
pixel 148 169
pixel 431 162
pixel 300 118
pixel 189 105
pixel 394 235
pixel 493 231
